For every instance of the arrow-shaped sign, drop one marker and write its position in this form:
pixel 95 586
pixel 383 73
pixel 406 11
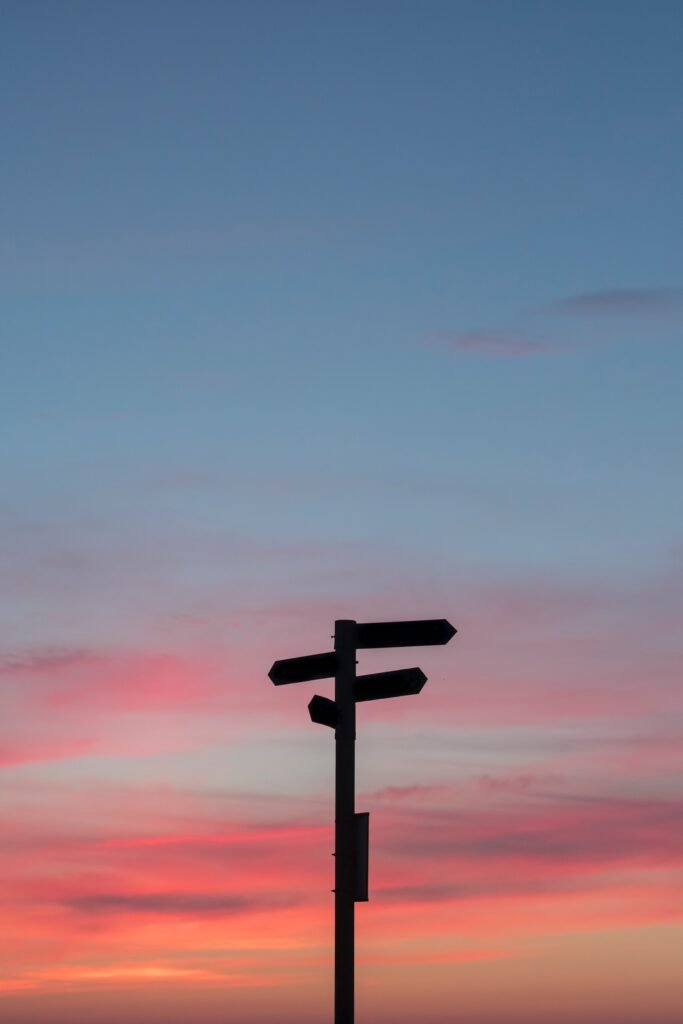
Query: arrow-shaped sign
pixel 389 684
pixel 300 670
pixel 413 633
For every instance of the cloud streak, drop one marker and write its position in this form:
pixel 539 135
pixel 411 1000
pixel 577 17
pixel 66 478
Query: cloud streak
pixel 621 302
pixel 116 681
pixel 14 753
pixel 43 661
pixel 564 833
pixel 495 343
pixel 618 304
pixel 175 903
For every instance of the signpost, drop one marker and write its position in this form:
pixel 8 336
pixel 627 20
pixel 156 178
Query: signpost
pixel 352 829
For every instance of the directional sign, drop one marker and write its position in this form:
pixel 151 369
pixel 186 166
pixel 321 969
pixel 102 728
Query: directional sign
pixel 413 633
pixel 389 684
pixel 323 711
pixel 300 670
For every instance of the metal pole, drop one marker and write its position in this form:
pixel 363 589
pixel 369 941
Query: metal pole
pixel 345 785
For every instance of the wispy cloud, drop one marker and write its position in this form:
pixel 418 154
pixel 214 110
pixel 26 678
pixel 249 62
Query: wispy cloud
pixel 176 903
pixel 43 660
pixel 622 302
pixel 117 681
pixel 405 792
pixel 29 752
pixel 565 833
pixel 545 329
pixel 60 704
pixel 517 784
pixel 87 975
pixel 494 343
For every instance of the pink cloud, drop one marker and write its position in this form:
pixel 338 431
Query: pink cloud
pixel 25 753
pixel 502 784
pixel 404 792
pixel 60 704
pixel 117 681
pixel 560 836
pixel 492 862
pixel 542 651
pixel 177 903
pixel 549 838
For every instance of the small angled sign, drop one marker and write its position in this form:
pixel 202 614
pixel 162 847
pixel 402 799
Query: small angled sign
pixel 389 684
pixel 411 633
pixel 323 711
pixel 301 670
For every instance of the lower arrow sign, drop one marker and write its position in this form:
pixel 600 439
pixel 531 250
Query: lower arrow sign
pixel 401 683
pixel 323 711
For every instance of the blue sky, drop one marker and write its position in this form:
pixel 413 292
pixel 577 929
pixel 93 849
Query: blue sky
pixel 235 242
pixel 314 310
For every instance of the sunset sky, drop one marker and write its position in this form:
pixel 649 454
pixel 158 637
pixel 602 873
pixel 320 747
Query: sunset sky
pixel 319 310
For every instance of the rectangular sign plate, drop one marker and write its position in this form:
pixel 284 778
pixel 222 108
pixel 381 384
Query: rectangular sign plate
pixel 361 823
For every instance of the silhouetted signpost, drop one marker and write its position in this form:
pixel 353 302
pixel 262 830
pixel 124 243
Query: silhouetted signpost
pixel 352 830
